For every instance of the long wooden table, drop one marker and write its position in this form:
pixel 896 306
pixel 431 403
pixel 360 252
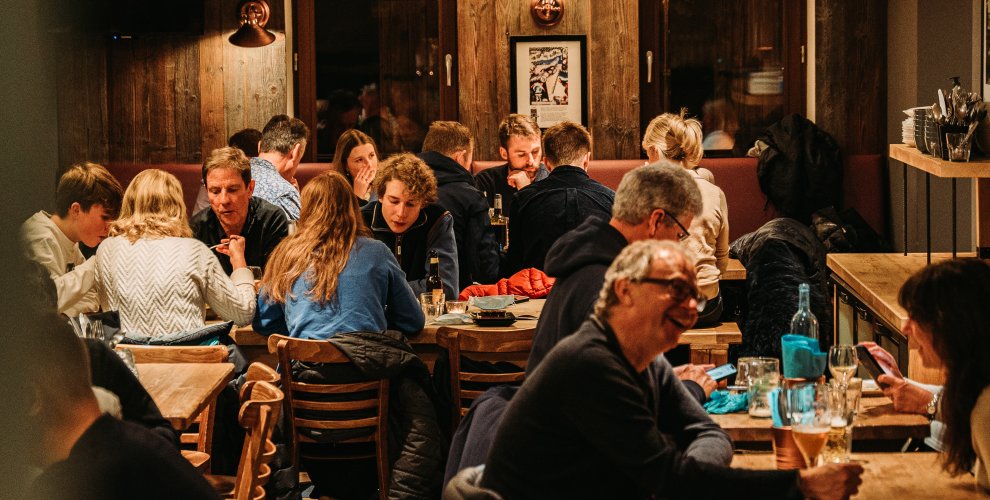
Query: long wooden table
pixel 876 420
pixel 703 340
pixel 890 476
pixel 183 390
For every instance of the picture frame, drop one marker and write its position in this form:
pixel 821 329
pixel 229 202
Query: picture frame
pixel 548 78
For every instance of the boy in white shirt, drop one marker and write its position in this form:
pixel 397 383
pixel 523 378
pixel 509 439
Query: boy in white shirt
pixel 86 201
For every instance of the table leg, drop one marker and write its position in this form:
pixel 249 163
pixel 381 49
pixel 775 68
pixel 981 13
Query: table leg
pixel 904 170
pixel 953 217
pixel 928 215
pixel 205 442
pixel 983 218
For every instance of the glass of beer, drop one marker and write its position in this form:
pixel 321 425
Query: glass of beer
pixel 844 403
pixel 811 419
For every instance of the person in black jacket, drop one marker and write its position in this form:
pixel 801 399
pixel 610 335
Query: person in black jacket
pixel 520 147
pixel 653 202
pixel 86 455
pixel 599 418
pixel 545 210
pixel 405 218
pixel 448 149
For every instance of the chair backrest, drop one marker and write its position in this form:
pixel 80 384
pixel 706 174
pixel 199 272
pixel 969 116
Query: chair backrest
pixel 328 399
pixel 489 345
pixel 177 354
pixel 258 415
pixel 257 372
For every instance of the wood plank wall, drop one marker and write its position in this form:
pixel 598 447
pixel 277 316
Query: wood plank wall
pixel 851 77
pixel 483 31
pixel 166 98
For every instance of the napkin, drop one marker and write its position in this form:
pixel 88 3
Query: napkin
pixel 454 319
pixel 802 357
pixel 722 402
pixel 492 302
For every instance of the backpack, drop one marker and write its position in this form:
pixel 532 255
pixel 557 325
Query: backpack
pixel 801 170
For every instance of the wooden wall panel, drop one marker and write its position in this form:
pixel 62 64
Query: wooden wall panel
pixel 613 71
pixel 81 82
pixel 188 137
pixel 478 32
pixel 851 45
pixel 212 119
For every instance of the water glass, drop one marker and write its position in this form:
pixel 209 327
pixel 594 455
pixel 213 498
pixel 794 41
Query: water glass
pixel 432 305
pixel 742 371
pixel 763 376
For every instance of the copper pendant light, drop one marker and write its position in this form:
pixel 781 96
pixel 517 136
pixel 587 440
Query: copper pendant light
pixel 252 33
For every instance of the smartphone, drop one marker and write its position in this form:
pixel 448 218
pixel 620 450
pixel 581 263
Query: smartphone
pixel 870 363
pixel 723 372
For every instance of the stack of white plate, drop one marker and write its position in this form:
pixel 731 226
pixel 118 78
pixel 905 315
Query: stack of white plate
pixel 907 131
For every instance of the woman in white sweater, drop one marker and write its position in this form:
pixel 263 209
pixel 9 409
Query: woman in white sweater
pixel 679 140
pixel 156 275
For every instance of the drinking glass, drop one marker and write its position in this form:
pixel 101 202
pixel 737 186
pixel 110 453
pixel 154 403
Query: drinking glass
pixel 432 305
pixel 763 376
pixel 811 419
pixel 457 306
pixel 843 401
pixel 842 363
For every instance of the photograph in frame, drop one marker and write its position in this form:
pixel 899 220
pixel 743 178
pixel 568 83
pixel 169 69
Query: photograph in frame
pixel 548 78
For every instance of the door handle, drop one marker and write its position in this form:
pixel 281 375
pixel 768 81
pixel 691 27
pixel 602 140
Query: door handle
pixel 449 63
pixel 649 66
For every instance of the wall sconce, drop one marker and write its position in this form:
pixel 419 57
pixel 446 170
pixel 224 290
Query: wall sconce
pixel 252 33
pixel 547 13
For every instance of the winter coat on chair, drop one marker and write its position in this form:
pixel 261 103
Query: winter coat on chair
pixel 778 257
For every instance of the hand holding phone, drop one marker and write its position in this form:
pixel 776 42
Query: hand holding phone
pixel 870 363
pixel 723 372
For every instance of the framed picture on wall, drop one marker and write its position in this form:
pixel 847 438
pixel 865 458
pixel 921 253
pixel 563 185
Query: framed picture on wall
pixel 549 78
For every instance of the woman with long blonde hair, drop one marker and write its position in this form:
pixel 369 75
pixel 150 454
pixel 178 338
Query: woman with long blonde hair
pixel 678 139
pixel 156 275
pixel 331 276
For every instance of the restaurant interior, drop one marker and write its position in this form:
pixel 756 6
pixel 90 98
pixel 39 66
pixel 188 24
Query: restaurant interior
pixel 163 85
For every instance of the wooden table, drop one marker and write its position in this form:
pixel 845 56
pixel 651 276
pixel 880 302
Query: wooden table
pixel 876 420
pixel 734 271
pixel 890 476
pixel 183 390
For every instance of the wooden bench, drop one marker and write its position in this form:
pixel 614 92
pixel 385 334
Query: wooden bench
pixel 711 345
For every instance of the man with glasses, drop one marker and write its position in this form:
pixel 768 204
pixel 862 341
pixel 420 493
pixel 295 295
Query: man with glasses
pixel 599 419
pixel 656 201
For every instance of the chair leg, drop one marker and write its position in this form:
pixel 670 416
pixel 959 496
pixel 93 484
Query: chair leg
pixel 205 443
pixel 381 457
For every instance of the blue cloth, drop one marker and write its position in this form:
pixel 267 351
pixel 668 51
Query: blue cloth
pixel 270 186
pixel 372 296
pixel 722 402
pixel 802 357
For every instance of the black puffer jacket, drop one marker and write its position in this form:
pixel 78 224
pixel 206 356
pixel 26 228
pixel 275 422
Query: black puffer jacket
pixel 417 447
pixel 778 257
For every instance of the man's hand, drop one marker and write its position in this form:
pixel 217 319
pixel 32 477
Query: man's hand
pixel 519 179
pixel 831 481
pixel 908 398
pixel 697 374
pixel 234 248
pixel 884 358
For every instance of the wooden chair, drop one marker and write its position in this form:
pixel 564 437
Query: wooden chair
pixel 258 415
pixel 203 437
pixel 305 396
pixel 258 372
pixel 511 345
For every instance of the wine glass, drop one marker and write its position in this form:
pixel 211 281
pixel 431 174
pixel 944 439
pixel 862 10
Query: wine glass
pixel 842 363
pixel 811 419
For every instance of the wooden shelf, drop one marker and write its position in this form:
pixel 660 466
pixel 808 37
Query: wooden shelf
pixel 974 169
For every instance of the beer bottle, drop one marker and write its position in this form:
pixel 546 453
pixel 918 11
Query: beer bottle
pixel 434 284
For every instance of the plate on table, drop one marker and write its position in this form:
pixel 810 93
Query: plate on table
pixel 493 318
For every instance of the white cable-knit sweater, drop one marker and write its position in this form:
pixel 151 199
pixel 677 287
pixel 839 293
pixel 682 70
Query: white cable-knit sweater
pixel 161 286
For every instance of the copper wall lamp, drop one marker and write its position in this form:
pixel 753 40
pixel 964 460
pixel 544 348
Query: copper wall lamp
pixel 252 33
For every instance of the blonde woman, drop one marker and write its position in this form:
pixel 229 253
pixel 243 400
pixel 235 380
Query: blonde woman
pixel 157 276
pixel 331 276
pixel 679 140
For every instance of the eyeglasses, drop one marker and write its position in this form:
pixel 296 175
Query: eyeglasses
pixel 680 290
pixel 684 232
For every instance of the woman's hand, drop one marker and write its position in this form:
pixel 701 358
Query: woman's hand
pixel 362 182
pixel 884 358
pixel 907 397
